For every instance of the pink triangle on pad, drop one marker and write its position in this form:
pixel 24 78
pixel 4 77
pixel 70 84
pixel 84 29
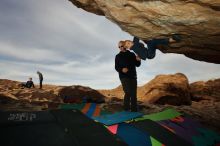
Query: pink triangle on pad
pixel 113 128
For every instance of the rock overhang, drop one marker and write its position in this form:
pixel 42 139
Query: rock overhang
pixel 198 22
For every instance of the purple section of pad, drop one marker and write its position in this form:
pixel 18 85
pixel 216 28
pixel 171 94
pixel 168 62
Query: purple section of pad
pixel 187 128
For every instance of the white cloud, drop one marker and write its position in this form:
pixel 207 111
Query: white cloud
pixel 96 75
pixel 29 54
pixel 173 63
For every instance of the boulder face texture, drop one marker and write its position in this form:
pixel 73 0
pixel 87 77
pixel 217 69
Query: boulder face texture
pixel 113 93
pixel 209 90
pixel 167 89
pixel 198 22
pixel 80 92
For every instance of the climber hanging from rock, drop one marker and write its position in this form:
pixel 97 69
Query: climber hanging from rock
pixel 149 52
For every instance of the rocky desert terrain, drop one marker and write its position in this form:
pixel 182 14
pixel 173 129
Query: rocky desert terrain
pixel 200 100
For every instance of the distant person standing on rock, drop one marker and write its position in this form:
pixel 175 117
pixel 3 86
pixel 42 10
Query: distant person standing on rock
pixel 125 64
pixel 40 78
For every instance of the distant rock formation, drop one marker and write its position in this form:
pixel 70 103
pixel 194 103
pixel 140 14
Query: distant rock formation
pixel 11 92
pixel 173 89
pixel 209 90
pixel 198 22
pixel 113 94
pixel 167 89
pixel 163 89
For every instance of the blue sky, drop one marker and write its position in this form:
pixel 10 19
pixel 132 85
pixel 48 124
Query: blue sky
pixel 70 46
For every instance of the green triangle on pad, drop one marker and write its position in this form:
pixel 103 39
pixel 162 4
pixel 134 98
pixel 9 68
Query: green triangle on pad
pixel 164 115
pixel 155 142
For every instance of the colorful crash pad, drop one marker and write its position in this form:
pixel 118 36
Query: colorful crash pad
pixel 134 132
pixel 164 115
pixel 116 118
pixel 191 131
pixel 155 142
pixel 72 106
pixel 113 128
pixel 132 136
pixel 89 109
pixel 160 133
pixel 53 128
pixel 206 138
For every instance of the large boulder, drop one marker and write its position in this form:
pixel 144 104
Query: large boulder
pixel 113 94
pixel 209 90
pixel 163 89
pixel 166 89
pixel 79 93
pixel 196 21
